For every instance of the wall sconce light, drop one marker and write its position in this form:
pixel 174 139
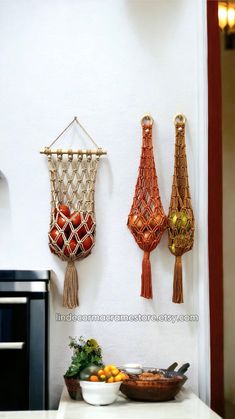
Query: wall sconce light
pixel 226 15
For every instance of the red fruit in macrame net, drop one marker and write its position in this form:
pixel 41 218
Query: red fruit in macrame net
pixel 81 232
pixel 76 218
pixel 57 237
pixel 89 222
pixel 70 247
pixel 147 220
pixel 63 223
pixel 64 209
pixel 87 243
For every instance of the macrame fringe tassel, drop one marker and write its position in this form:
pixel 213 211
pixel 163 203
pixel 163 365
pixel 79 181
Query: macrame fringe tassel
pixel 146 277
pixel 178 282
pixel 70 297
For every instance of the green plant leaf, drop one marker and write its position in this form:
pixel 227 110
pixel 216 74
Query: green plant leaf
pixel 84 353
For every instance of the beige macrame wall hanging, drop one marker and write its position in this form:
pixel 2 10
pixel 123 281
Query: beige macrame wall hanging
pixel 180 217
pixel 72 226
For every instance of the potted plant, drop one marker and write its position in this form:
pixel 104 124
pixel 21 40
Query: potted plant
pixel 86 354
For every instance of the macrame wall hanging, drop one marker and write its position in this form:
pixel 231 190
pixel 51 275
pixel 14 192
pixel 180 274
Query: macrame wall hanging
pixel 72 226
pixel 147 220
pixel 180 218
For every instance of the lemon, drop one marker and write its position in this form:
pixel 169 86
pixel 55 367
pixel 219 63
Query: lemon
pixel 118 377
pixel 115 371
pixel 100 372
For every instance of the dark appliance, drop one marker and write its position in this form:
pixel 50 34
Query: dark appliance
pixel 24 340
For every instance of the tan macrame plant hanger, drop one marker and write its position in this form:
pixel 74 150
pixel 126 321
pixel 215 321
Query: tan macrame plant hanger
pixel 147 220
pixel 72 226
pixel 180 217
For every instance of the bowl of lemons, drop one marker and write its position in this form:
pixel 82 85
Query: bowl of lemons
pixel 100 386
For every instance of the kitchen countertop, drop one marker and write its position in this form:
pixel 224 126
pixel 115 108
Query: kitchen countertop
pixel 186 406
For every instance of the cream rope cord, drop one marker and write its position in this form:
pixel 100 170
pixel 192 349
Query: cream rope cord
pixel 73 180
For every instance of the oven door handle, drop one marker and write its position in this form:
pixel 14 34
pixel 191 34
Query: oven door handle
pixel 11 345
pixel 13 300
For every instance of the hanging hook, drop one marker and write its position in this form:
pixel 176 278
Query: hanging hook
pixel 147 120
pixel 179 118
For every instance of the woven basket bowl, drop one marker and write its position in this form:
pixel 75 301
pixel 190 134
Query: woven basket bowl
pixel 153 391
pixel 73 387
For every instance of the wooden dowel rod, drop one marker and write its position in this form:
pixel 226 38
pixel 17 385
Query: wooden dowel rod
pixel 98 152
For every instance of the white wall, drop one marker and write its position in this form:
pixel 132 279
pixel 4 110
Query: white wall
pixel 108 62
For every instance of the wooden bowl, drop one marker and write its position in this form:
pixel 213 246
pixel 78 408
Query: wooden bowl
pixel 159 390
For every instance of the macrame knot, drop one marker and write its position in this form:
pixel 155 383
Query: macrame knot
pixel 70 296
pixel 146 277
